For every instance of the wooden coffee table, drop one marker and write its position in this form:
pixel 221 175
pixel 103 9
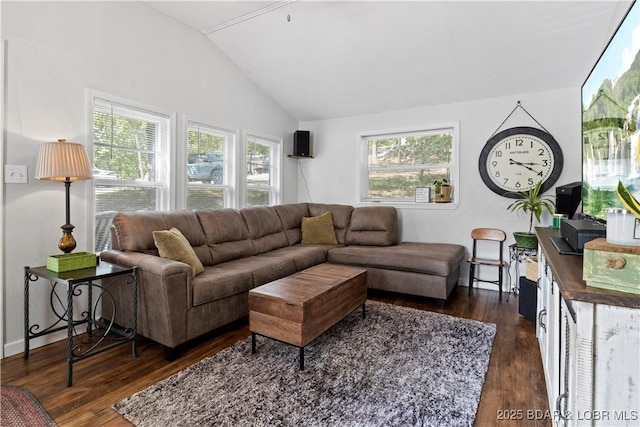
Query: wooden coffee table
pixel 299 308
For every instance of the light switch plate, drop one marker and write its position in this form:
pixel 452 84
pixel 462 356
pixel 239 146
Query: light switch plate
pixel 15 174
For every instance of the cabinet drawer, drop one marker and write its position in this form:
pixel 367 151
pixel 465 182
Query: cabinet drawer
pixel 613 267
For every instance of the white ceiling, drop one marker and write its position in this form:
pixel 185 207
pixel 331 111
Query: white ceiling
pixel 327 59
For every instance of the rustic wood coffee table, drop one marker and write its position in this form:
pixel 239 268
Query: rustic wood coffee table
pixel 299 308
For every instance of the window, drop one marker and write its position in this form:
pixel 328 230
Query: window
pixel 130 160
pixel 210 166
pixel 397 162
pixel 262 170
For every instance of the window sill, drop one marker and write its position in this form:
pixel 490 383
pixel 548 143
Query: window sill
pixel 413 205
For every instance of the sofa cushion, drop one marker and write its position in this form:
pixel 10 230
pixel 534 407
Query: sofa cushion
pixel 318 230
pixel 291 217
pixel 226 235
pixel 173 245
pixel 439 259
pixel 265 228
pixel 304 256
pixel 341 217
pixel 263 268
pixel 373 226
pixel 133 231
pixel 218 282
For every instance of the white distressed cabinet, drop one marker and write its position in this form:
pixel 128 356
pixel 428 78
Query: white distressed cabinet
pixel 590 344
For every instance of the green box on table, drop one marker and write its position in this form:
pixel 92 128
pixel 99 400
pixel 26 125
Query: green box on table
pixel 68 262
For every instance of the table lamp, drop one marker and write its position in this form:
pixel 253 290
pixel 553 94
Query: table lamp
pixel 67 162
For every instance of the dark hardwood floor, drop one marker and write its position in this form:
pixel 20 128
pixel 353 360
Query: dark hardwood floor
pixel 514 392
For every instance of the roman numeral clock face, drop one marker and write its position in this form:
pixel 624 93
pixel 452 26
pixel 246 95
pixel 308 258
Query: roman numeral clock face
pixel 516 159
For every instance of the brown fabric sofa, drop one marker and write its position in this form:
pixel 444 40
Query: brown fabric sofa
pixel 245 248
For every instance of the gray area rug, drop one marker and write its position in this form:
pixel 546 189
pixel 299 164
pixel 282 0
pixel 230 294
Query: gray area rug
pixel 399 366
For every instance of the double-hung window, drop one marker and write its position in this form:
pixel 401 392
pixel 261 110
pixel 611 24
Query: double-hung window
pixel 210 166
pixel 399 161
pixel 262 158
pixel 130 159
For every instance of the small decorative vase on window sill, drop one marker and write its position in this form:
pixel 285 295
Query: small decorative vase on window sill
pixel 443 191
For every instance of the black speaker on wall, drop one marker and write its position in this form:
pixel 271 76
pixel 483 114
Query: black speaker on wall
pixel 301 143
pixel 568 198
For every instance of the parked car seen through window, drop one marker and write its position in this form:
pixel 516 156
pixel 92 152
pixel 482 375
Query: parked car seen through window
pixel 206 167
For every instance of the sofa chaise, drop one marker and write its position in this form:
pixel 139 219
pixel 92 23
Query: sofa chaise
pixel 238 250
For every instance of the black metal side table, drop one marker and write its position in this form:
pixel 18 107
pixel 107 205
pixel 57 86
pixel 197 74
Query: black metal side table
pixel 101 334
pixel 518 255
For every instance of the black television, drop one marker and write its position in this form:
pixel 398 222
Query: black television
pixel 610 128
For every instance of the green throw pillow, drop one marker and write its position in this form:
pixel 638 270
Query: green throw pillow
pixel 173 245
pixel 318 230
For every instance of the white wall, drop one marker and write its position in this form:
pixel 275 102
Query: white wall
pixel 56 51
pixel 331 175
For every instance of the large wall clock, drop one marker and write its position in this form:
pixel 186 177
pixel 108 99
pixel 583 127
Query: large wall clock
pixel 516 159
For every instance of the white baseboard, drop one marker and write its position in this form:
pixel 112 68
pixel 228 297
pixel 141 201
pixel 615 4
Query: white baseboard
pixel 17 347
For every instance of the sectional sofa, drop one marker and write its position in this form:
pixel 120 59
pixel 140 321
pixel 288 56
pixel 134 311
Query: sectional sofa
pixel 237 250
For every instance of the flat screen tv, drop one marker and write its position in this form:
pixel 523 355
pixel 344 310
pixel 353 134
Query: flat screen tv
pixel 610 128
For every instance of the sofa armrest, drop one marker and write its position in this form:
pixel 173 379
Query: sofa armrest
pixel 163 295
pixel 150 263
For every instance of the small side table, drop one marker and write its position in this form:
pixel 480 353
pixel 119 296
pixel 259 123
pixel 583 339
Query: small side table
pixel 518 255
pixel 101 334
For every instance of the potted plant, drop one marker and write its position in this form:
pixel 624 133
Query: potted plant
pixel 532 203
pixel 443 190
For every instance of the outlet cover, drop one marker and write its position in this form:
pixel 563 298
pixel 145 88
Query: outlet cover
pixel 15 174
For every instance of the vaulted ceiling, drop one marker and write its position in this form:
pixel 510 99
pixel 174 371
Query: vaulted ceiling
pixel 327 59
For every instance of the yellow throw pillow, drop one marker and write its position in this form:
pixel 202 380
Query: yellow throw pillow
pixel 318 230
pixel 173 245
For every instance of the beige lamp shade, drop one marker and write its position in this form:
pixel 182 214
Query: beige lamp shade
pixel 63 161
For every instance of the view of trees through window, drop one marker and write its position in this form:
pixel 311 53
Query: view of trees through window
pixel 123 146
pixel 398 164
pixel 129 161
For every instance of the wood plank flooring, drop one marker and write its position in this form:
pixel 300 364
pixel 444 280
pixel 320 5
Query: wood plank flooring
pixel 514 392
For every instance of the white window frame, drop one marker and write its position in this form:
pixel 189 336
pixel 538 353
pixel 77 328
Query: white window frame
pixel 230 185
pixel 275 166
pixel 167 188
pixel 362 178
